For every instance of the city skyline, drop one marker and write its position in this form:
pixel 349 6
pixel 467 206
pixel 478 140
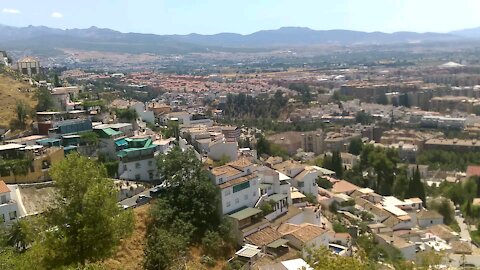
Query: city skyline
pixel 245 17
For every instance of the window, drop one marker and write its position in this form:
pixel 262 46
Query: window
pixel 226 192
pixel 137 177
pixel 254 194
pixel 241 186
pixel 300 184
pixel 237 201
pixel 313 184
pixel 150 175
pixel 13 215
pixel 150 163
pixel 3 199
pixel 124 167
pixel 228 204
pixel 248 171
pixel 138 165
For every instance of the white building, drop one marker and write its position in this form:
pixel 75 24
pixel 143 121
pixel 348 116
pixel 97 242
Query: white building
pixel 239 185
pixel 143 112
pixel 301 176
pixel 8 207
pixel 223 148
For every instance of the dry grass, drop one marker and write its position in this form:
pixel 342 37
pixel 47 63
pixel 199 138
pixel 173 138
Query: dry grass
pixel 10 92
pixel 130 254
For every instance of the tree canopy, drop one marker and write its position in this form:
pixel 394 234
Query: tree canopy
pixel 86 224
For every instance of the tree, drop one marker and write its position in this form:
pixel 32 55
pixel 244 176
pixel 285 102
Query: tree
pixel 45 100
pixel 56 81
pixel 355 146
pixel 22 110
pixel 185 213
pixel 337 164
pixel 400 184
pixel 363 118
pixel 444 208
pixel 164 249
pixel 85 224
pixel 324 259
pixel 263 145
pixel 324 183
pixel 416 187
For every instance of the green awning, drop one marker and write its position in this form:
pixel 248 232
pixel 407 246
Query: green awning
pixel 277 197
pixel 277 243
pixel 121 142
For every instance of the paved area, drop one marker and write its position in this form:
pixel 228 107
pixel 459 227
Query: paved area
pixel 464 233
pixel 130 202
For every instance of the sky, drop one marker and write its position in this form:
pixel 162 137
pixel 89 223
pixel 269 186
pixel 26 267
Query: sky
pixel 243 16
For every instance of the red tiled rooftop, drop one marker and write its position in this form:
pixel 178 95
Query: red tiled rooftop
pixel 473 170
pixel 4 188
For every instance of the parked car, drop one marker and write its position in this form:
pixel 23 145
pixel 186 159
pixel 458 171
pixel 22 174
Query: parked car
pixel 143 199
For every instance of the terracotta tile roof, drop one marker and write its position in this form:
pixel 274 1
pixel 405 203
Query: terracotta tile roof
pixel 237 181
pixel 473 170
pixel 240 163
pixel 264 237
pixel 3 187
pixel 344 187
pixel 225 170
pixel 287 228
pixel 442 231
pixel 307 232
pixel 428 214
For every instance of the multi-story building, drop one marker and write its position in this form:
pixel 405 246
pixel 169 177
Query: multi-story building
pixel 301 176
pixel 453 145
pixel 313 141
pixel 8 207
pixel 28 66
pixel 137 161
pixel 238 183
pixel 28 164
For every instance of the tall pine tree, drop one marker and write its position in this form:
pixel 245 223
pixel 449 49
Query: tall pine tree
pixel 415 187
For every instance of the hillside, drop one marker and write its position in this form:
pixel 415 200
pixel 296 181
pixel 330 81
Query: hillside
pixel 51 40
pixel 11 91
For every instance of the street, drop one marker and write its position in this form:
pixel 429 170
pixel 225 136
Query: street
pixel 130 202
pixel 464 232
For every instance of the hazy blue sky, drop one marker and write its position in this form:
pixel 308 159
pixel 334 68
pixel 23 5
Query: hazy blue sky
pixel 243 16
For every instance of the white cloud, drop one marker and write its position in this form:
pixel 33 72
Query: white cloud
pixel 11 11
pixel 57 15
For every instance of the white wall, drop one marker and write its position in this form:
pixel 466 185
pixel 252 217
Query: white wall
pixel 8 207
pixel 130 170
pixel 229 149
pixel 243 198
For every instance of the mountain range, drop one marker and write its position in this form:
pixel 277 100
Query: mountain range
pixel 41 38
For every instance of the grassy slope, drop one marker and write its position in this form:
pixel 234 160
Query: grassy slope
pixel 130 253
pixel 9 94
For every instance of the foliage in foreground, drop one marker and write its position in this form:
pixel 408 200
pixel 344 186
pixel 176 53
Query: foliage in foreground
pixel 84 226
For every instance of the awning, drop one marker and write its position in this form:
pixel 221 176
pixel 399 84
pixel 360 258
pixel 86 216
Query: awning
pixel 277 243
pixel 121 142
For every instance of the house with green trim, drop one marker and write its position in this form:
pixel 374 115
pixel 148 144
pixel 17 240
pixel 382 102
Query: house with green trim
pixel 137 160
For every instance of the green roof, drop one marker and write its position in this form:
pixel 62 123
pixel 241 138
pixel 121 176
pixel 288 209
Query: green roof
pixel 245 213
pixel 265 186
pixel 121 142
pixel 111 132
pixel 277 197
pixel 277 243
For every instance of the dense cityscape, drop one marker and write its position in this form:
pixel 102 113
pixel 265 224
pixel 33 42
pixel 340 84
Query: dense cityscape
pixel 284 149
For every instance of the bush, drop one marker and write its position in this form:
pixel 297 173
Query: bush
pixel 212 243
pixel 339 227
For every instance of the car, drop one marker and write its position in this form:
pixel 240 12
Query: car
pixel 142 199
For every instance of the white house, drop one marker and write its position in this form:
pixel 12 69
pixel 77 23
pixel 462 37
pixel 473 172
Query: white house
pixel 239 185
pixel 143 112
pixel 427 218
pixel 301 176
pixel 8 207
pixel 304 236
pixel 223 148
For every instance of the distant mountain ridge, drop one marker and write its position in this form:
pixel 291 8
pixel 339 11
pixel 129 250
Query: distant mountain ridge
pixel 104 39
